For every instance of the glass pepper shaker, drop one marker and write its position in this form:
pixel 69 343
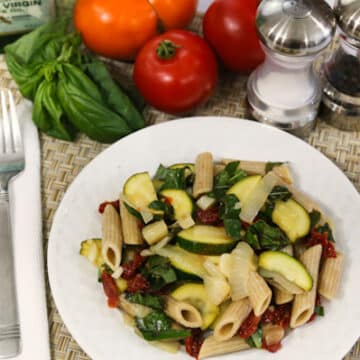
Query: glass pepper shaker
pixel 341 100
pixel 285 91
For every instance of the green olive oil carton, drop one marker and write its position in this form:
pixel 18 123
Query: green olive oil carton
pixel 19 16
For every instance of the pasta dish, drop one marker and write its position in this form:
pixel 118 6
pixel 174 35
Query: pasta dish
pixel 217 256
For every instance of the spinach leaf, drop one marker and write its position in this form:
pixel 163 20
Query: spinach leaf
pixel 88 115
pixel 314 218
pixel 279 193
pixel 113 95
pixel 152 301
pixel 173 178
pixel 261 236
pixel 270 165
pixel 227 177
pixel 229 211
pixel 157 326
pixel 158 271
pixel 326 229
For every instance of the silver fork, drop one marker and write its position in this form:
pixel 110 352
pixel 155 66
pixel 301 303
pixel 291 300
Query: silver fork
pixel 12 162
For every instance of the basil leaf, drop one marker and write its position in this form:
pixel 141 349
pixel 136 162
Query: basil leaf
pixel 174 179
pixel 167 209
pixel 279 193
pixel 152 301
pixel 262 236
pixel 161 172
pixel 255 340
pixel 319 310
pixel 314 218
pixel 229 212
pixel 114 96
pixel 90 116
pixel 270 165
pixel 233 228
pixel 326 229
pixel 133 212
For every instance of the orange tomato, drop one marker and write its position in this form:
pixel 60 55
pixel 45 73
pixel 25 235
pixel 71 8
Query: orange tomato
pixel 175 14
pixel 119 28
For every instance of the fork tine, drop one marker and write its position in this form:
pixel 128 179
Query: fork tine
pixel 6 124
pixel 16 132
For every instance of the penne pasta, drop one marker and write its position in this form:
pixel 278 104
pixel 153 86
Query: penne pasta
pixel 130 227
pixel 112 240
pixel 204 174
pixel 282 297
pixel 231 320
pixel 182 312
pixel 304 304
pixel 259 293
pixel 330 276
pixel 212 347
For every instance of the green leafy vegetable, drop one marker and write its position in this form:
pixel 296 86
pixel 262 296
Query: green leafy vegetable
pixel 319 310
pixel 157 326
pixel 133 212
pixel 229 212
pixel 315 217
pixel 158 271
pixel 326 229
pixel 270 165
pixel 167 209
pixel 173 178
pixel 227 177
pixel 152 301
pixel 261 236
pixel 279 193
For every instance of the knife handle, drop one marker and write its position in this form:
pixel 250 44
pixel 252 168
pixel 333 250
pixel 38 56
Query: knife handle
pixel 9 321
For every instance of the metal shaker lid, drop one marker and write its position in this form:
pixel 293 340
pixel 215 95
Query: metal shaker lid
pixel 347 13
pixel 295 27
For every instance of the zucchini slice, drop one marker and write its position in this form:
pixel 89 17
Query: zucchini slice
pixel 206 240
pixel 292 218
pixel 196 295
pixel 187 265
pixel 180 201
pixel 243 188
pixel 287 266
pixel 140 191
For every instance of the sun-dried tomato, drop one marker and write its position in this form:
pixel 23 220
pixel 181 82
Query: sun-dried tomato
pixel 137 284
pixel 277 315
pixel 249 326
pixel 115 204
pixel 130 269
pixel 272 348
pixel 193 343
pixel 110 289
pixel 316 238
pixel 209 216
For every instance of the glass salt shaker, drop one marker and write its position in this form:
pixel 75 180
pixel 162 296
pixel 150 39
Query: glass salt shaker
pixel 341 97
pixel 285 91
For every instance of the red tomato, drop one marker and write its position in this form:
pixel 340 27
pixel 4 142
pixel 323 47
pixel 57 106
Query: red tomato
pixel 176 71
pixel 229 26
pixel 119 28
pixel 249 326
pixel 110 289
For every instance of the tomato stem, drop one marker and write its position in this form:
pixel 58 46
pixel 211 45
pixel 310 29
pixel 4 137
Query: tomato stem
pixel 166 49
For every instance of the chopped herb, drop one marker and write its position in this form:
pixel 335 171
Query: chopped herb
pixel 165 207
pixel 279 193
pixel 133 212
pixel 270 165
pixel 255 340
pixel 227 177
pixel 161 172
pixel 326 229
pixel 314 218
pixel 158 271
pixel 261 236
pixel 152 301
pixel 319 310
pixel 157 326
pixel 229 212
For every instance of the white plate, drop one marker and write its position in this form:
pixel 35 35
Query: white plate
pixel 99 330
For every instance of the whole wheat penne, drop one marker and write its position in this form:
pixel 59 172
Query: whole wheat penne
pixel 130 227
pixel 182 312
pixel 330 276
pixel 282 297
pixel 212 346
pixel 272 334
pixel 154 232
pixel 218 168
pixel 259 293
pixel 204 174
pixel 112 240
pixel 231 320
pixel 304 304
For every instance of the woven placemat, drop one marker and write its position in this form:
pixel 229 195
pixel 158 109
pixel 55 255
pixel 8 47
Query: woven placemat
pixel 62 161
